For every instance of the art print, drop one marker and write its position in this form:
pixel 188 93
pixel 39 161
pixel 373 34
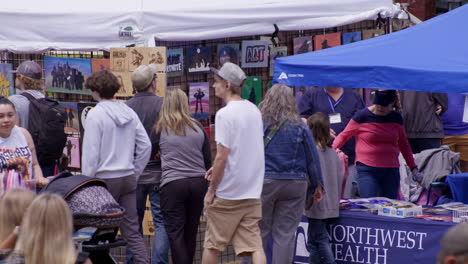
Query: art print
pixel 252 89
pixel 372 33
pixel 98 64
pixel 119 59
pixel 255 54
pixel 72 152
pixel 6 80
pixel 276 52
pixel 199 100
pixel 302 44
pixel 326 41
pixel 198 60
pixel 351 37
pixel 71 123
pixel 175 62
pixel 157 56
pixel 161 83
pixel 228 53
pixel 137 56
pixel 126 86
pixel 66 75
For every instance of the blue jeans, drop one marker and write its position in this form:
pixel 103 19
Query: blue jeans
pixel 374 181
pixel 160 250
pixel 318 243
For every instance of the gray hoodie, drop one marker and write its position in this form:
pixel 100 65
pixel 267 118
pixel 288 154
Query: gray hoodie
pixel 115 142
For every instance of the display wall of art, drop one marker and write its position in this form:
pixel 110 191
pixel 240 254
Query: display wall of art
pixel 372 33
pixel 72 152
pixel 98 64
pixel 228 53
pixel 199 101
pixel 326 41
pixel 276 52
pixel 175 62
pixel 72 123
pixel 302 45
pixel 255 54
pixel 66 75
pixel 198 60
pixel 252 89
pixel 6 80
pixel 351 37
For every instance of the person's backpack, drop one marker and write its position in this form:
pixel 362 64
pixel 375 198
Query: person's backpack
pixel 46 125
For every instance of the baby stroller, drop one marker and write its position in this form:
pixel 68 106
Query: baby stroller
pixel 92 206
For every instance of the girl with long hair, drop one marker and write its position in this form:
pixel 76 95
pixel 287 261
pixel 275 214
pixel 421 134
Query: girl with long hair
pixel 185 158
pixel 292 169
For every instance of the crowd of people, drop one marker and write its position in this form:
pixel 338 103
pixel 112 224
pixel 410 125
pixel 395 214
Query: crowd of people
pixel 273 164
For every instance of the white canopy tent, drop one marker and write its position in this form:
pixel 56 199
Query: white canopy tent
pixel 29 26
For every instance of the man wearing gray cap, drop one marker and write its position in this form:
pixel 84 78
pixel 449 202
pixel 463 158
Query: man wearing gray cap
pixel 232 204
pixel 147 105
pixel 455 245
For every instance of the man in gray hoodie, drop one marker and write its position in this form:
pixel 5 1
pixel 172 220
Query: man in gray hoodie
pixel 116 148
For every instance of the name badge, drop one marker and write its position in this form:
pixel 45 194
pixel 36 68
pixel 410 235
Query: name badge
pixel 335 118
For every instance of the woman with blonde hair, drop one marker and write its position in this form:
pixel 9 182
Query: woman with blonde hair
pixel 185 158
pixel 46 233
pixel 292 169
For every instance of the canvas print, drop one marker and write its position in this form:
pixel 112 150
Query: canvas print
pixel 198 59
pixel 252 89
pixel 255 54
pixel 326 41
pixel 98 64
pixel 372 33
pixel 199 100
pixel 126 87
pixel 175 62
pixel 119 59
pixel 137 56
pixel 351 37
pixel 72 151
pixel 157 55
pixel 6 80
pixel 276 52
pixel 228 53
pixel 302 44
pixel 72 123
pixel 66 75
pixel 161 83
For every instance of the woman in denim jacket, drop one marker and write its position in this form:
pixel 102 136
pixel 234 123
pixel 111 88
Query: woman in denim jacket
pixel 292 168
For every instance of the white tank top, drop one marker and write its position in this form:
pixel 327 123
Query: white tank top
pixel 15 155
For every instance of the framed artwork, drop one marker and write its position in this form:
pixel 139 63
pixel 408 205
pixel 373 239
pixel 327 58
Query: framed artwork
pixel 199 100
pixel 302 44
pixel 198 60
pixel 175 62
pixel 351 37
pixel 326 41
pixel 126 86
pixel 72 124
pixel 252 89
pixel 72 151
pixel 157 55
pixel 372 33
pixel 119 59
pixel 6 80
pixel 276 52
pixel 228 53
pixel 255 54
pixel 66 75
pixel 98 64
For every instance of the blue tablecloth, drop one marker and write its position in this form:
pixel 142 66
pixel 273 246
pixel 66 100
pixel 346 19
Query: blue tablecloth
pixel 359 237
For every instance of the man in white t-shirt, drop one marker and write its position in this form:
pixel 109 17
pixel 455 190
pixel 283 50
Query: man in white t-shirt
pixel 232 203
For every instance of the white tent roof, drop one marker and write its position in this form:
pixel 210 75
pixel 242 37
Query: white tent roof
pixel 35 26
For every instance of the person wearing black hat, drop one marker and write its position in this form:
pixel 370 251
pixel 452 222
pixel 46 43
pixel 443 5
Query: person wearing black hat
pixel 380 137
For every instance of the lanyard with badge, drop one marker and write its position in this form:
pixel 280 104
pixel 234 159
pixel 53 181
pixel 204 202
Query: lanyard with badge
pixel 335 118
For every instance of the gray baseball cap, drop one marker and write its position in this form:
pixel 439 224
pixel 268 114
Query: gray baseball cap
pixel 455 240
pixel 142 76
pixel 30 69
pixel 231 72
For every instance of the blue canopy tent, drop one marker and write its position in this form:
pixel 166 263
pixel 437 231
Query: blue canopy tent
pixel 431 56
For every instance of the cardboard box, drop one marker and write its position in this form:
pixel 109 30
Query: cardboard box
pixel 400 212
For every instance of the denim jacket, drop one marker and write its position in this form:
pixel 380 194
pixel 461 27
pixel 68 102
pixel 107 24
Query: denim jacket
pixel 292 154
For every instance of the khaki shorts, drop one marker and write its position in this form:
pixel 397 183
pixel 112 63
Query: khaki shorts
pixel 458 144
pixel 235 220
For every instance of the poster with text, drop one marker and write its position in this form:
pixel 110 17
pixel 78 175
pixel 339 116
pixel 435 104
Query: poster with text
pixel 6 80
pixel 199 101
pixel 175 62
pixel 66 75
pixel 252 89
pixel 71 123
pixel 98 64
pixel 255 54
pixel 157 56
pixel 119 59
pixel 302 44
pixel 372 33
pixel 228 53
pixel 198 60
pixel 326 41
pixel 72 151
pixel 276 52
pixel 126 86
pixel 351 37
